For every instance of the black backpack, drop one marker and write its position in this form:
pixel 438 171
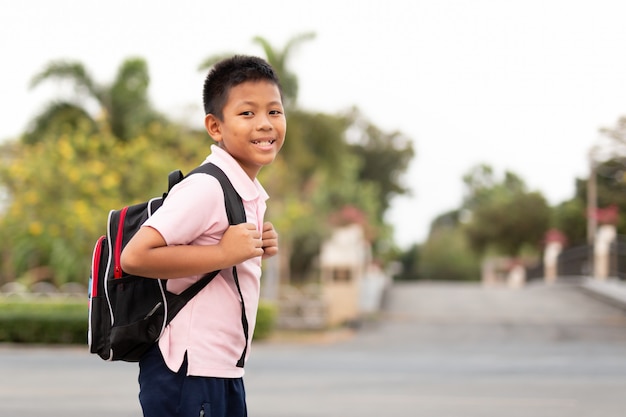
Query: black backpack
pixel 128 313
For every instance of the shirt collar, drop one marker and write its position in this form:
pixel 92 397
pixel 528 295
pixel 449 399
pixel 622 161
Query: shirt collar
pixel 246 188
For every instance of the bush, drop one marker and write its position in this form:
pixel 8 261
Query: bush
pixel 446 255
pixel 43 321
pixel 65 321
pixel 265 320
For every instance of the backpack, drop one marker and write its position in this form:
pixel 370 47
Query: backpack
pixel 128 313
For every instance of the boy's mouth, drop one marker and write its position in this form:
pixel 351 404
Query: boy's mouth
pixel 265 142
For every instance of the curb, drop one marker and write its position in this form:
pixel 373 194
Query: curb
pixel 611 291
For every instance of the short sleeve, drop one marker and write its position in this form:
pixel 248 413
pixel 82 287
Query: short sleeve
pixel 192 213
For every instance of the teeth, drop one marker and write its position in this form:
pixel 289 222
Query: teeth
pixel 264 142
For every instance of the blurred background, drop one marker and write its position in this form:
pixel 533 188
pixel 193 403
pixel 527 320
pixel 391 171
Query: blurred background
pixel 471 143
pixel 452 130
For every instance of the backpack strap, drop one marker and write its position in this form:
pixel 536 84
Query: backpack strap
pixel 174 178
pixel 234 206
pixel 236 214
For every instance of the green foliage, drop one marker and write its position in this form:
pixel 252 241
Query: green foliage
pixel 65 321
pixel 409 261
pixel 384 157
pixel 447 255
pixel 60 192
pixel 124 104
pixel 57 119
pixel 265 320
pixel 130 110
pixel 611 188
pixel 570 218
pixel 43 321
pixel 504 217
pixel 497 217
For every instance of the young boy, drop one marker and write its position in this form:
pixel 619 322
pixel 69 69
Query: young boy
pixel 194 371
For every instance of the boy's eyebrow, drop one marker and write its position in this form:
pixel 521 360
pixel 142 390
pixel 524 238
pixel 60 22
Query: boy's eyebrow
pixel 254 103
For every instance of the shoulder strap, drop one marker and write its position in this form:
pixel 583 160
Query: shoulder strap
pixel 234 206
pixel 174 178
pixel 236 214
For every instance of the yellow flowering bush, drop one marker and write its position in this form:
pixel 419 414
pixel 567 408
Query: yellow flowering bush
pixel 55 194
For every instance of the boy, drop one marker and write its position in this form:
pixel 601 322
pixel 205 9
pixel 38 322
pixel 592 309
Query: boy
pixel 194 370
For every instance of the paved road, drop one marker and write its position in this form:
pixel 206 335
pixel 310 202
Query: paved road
pixel 444 350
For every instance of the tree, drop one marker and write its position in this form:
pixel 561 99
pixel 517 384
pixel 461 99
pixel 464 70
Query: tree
pixel 124 104
pixel 569 217
pixel 385 156
pixel 504 218
pixel 409 261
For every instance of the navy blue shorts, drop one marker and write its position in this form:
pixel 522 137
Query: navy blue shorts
pixel 163 393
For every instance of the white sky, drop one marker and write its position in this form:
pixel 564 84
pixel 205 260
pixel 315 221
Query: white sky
pixel 522 85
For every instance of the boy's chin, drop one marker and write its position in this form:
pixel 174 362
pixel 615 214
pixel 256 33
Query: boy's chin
pixel 267 157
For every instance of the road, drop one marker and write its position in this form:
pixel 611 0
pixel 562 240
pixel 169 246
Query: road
pixel 445 350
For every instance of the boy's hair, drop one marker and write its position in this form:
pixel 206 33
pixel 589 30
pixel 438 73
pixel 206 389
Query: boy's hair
pixel 229 73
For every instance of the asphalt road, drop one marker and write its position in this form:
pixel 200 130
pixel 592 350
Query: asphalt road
pixel 444 350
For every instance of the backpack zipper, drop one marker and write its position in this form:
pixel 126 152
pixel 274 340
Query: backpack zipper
pixel 95 266
pixel 117 271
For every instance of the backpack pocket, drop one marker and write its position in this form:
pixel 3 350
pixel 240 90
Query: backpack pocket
pixel 139 307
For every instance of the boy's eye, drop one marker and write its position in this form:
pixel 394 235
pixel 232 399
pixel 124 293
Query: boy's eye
pixel 276 112
pixel 246 113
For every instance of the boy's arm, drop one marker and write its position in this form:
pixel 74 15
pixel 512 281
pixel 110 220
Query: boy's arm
pixel 148 255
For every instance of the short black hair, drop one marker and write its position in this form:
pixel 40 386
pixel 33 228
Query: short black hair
pixel 229 73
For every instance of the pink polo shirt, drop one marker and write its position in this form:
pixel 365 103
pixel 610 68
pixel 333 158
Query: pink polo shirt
pixel 209 327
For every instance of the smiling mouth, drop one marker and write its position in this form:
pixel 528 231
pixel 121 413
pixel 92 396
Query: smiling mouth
pixel 264 142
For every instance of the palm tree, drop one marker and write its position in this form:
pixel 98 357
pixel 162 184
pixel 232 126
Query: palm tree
pixel 123 104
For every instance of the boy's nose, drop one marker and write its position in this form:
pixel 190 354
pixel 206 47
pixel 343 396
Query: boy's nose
pixel 265 123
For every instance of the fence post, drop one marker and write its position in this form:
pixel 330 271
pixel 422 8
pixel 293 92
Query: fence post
pixel 550 261
pixel 601 251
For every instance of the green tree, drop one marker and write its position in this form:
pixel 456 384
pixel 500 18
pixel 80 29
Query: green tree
pixel 409 260
pixel 124 104
pixel 504 217
pixel 570 216
pixel 611 188
pixel 384 156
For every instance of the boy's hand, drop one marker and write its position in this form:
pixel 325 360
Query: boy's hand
pixel 270 240
pixel 240 243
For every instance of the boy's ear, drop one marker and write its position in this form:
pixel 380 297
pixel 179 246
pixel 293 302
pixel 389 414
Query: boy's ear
pixel 213 127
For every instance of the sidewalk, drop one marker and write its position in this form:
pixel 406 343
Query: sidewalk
pixel 612 290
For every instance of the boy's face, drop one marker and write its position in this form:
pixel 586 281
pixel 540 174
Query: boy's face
pixel 253 126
